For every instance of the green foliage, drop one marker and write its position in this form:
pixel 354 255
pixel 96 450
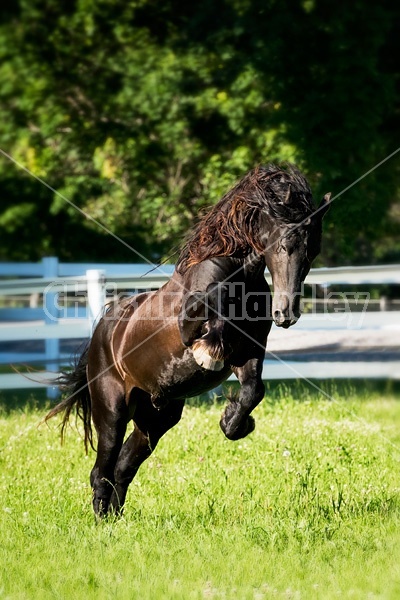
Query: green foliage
pixel 143 113
pixel 307 506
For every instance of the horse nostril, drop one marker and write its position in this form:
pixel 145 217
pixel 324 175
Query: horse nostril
pixel 278 316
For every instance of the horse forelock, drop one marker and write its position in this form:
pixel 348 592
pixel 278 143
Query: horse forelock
pixel 232 226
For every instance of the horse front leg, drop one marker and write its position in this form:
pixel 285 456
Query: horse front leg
pixel 202 323
pixel 237 422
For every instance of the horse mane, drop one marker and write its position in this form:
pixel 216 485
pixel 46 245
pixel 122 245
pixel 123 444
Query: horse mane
pixel 232 226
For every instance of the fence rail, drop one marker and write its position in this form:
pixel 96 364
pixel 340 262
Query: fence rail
pixel 89 282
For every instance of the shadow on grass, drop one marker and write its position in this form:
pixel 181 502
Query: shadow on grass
pixel 23 400
pixel 338 389
pixel 275 392
pixel 298 389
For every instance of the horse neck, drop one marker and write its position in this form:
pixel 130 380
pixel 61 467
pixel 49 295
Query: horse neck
pixel 254 265
pixel 222 268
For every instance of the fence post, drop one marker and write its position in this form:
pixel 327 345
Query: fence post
pixel 383 303
pixel 51 314
pixel 96 289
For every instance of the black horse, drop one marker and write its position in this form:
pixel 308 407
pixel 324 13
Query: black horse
pixel 154 350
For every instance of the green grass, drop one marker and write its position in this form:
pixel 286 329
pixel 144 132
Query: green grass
pixel 308 506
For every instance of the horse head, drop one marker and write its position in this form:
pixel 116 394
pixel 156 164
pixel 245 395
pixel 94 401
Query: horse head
pixel 290 249
pixel 269 213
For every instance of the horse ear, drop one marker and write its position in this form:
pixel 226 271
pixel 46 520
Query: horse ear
pixel 324 206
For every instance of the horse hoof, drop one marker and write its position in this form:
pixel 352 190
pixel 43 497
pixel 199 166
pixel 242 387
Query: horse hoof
pixel 240 432
pixel 205 360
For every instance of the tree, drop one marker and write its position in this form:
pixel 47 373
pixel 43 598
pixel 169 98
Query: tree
pixel 142 113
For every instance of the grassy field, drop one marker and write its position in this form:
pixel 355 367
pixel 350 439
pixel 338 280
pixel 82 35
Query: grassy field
pixel 308 506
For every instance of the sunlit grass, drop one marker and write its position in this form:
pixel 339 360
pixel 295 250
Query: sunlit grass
pixel 308 506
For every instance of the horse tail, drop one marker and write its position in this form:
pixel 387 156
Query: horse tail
pixel 74 385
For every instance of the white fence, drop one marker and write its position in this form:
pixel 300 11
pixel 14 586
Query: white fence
pixel 46 320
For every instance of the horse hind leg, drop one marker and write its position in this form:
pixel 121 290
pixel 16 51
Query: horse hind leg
pixel 150 425
pixel 134 452
pixel 110 417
